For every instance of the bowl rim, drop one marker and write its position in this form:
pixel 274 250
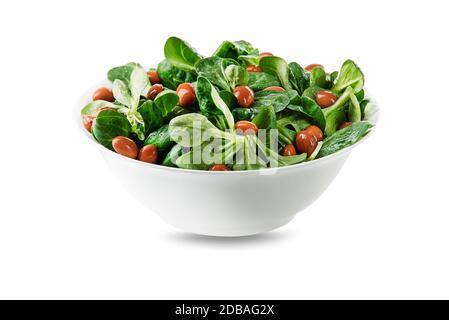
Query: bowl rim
pixel 86 98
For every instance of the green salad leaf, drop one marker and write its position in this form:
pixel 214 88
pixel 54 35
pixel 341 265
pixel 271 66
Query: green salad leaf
pixel 180 54
pixel 344 138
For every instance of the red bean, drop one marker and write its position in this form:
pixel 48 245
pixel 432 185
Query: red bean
pixel 219 167
pixel 148 154
pixel 186 94
pixel 153 77
pixel 88 120
pixel 125 146
pixel 244 95
pixel 310 67
pixel 306 142
pixel 289 150
pixel 345 124
pixel 103 94
pixel 325 98
pixel 315 131
pixel 265 54
pixel 246 127
pixel 253 68
pixel 275 88
pixel 155 89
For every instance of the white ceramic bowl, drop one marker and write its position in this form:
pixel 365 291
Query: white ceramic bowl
pixel 235 203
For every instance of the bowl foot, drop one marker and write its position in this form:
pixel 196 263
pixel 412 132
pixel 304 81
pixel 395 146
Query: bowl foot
pixel 231 231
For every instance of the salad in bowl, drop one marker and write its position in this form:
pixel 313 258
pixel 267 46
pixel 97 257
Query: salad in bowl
pixel 237 109
pixel 231 144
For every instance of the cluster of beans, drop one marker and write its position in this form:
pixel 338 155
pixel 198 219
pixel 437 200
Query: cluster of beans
pixel 306 140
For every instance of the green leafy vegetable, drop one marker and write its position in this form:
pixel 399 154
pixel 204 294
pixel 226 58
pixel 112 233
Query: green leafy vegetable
pixel 224 73
pixel 344 138
pixel 265 98
pixel 234 50
pixel 318 78
pixel 161 139
pixel 261 80
pixel 151 115
pixel 109 124
pixel 92 107
pixel 129 96
pixel 171 76
pixel 212 106
pixel 350 76
pixel 123 72
pixel 240 114
pixel 236 76
pixel 299 79
pixel 180 54
pixel 276 66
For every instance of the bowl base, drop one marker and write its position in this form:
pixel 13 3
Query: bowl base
pixel 231 231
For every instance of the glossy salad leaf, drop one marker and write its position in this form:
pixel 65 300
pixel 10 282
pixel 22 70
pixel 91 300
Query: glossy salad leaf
pixel 234 50
pixel 123 72
pixel 354 111
pixel 240 114
pixel 166 101
pixel 224 73
pixel 298 78
pixel 266 98
pixel 212 106
pixel 161 139
pixel 318 78
pixel 344 138
pixel 170 159
pixel 261 80
pixel 129 96
pixel 310 92
pixel 276 66
pixel 293 95
pixel 311 110
pixel 265 118
pixel 289 123
pixel 236 76
pixel 180 54
pixel 350 76
pixel 109 124
pixel 188 130
pixel 151 115
pixel 93 107
pixel 335 115
pixel 171 77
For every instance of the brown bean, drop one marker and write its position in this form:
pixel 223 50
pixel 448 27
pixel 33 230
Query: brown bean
pixel 125 146
pixel 289 150
pixel 253 68
pixel 246 127
pixel 344 125
pixel 305 142
pixel 310 67
pixel 88 120
pixel 153 77
pixel 219 167
pixel 154 90
pixel 244 95
pixel 325 98
pixel 103 93
pixel 186 94
pixel 148 154
pixel 315 131
pixel 275 88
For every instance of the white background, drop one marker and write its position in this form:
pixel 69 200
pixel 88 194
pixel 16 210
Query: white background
pixel 69 230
